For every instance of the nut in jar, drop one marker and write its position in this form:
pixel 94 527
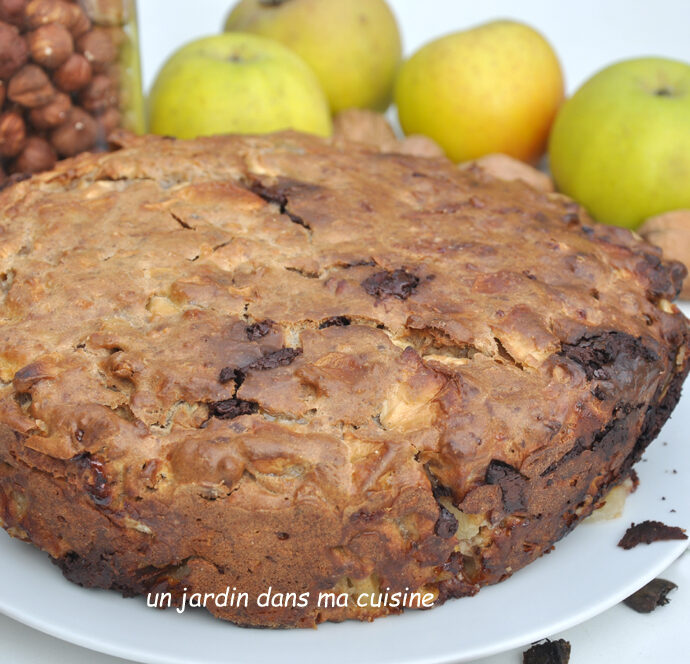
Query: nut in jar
pixel 69 75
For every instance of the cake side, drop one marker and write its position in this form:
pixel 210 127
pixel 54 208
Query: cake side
pixel 270 361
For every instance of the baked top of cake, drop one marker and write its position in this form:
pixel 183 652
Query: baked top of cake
pixel 278 360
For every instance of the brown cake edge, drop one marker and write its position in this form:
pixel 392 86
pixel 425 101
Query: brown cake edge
pixel 122 562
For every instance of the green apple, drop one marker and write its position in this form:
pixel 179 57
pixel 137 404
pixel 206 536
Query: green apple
pixel 352 45
pixel 236 83
pixel 621 145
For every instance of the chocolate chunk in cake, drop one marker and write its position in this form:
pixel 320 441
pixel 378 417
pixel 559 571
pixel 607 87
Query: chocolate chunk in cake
pixel 398 283
pixel 231 408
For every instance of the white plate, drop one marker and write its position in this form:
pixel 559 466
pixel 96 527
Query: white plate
pixel 585 575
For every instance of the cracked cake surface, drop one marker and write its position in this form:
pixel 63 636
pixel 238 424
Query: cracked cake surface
pixel 282 361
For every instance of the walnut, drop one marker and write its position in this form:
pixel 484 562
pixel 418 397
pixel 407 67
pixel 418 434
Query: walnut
pixel 30 87
pixel 372 129
pixel 12 133
pixel 99 94
pixel 37 155
pixel 12 11
pixel 13 50
pixel 363 126
pixel 53 114
pixel 50 45
pixel 74 74
pixel 42 12
pixel 671 232
pixel 503 167
pixel 79 133
pixel 97 47
pixel 420 146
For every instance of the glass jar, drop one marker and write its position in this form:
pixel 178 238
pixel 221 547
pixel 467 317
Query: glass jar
pixel 69 74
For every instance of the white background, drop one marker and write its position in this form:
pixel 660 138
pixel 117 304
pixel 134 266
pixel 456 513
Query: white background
pixel 587 35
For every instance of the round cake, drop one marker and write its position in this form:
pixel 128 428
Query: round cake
pixel 285 365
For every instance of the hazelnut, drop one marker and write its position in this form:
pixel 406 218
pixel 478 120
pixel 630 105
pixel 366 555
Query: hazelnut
pixel 99 94
pixel 79 133
pixel 13 50
pixel 30 87
pixel 12 11
pixel 118 37
pixel 109 120
pixel 50 45
pixel 74 74
pixel 97 47
pixel 42 12
pixel 108 12
pixel 37 155
pixel 53 114
pixel 3 93
pixel 80 22
pixel 12 133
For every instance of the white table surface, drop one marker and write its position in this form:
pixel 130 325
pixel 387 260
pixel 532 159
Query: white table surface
pixel 587 35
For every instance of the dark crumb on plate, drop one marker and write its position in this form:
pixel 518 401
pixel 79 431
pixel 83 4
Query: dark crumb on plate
pixel 647 532
pixel 548 652
pixel 654 594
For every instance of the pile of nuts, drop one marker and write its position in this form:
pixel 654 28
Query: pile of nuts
pixel 59 90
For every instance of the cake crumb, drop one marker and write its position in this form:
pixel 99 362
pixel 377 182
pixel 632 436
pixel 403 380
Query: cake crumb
pixel 548 652
pixel 647 532
pixel 651 596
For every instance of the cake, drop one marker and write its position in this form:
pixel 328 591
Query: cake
pixel 280 363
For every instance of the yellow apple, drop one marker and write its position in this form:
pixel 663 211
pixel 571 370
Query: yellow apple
pixel 621 145
pixel 236 83
pixel 494 88
pixel 353 46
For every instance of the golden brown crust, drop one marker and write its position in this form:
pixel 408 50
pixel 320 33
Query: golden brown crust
pixel 275 361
